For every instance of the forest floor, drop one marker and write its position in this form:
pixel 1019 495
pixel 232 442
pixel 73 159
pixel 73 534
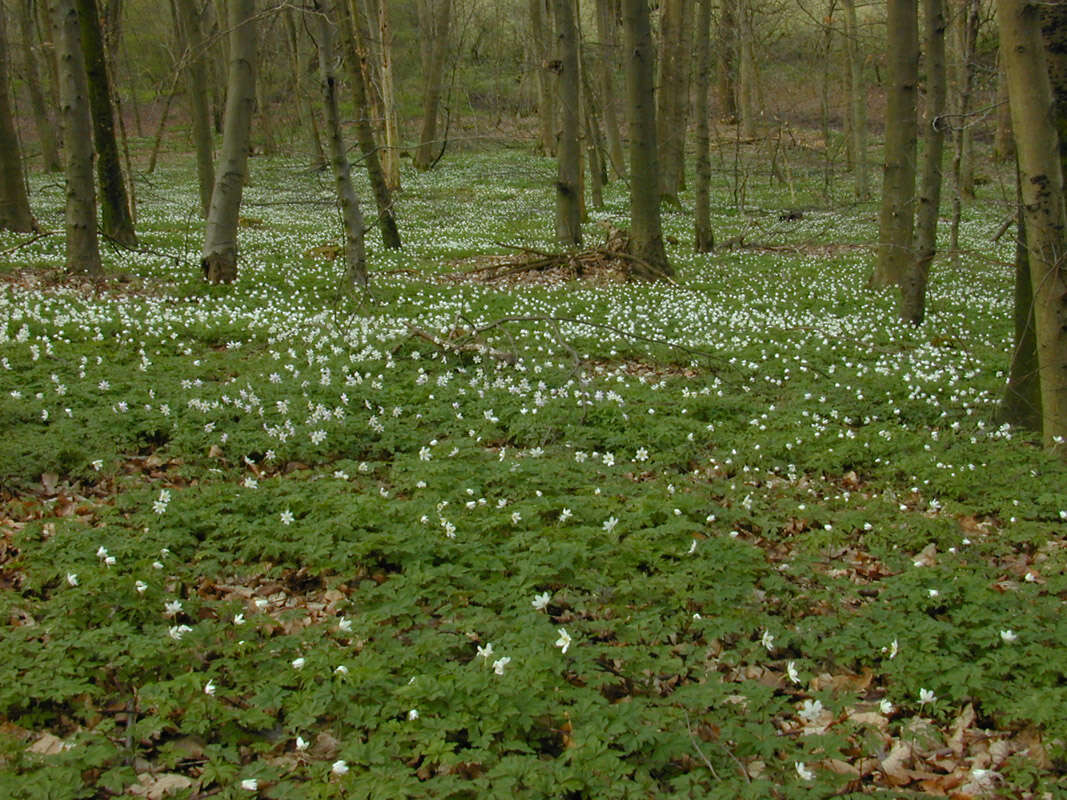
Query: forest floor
pixel 742 536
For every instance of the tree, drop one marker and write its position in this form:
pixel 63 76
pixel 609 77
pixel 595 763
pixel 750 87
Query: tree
pixel 568 181
pixel 219 257
pixel 646 233
pixel 1042 185
pixel 913 285
pixel 857 102
pixel 15 212
pixel 434 21
pixel 310 122
pixel 673 97
pixel 705 237
pixel 546 87
pixel 42 120
pixel 83 245
pixel 196 70
pixel 351 216
pixel 116 215
pixel 897 218
pixel 607 31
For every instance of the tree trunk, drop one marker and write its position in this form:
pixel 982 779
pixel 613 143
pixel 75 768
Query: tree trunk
pixel 568 187
pixel 705 236
pixel 726 61
pixel 1003 140
pixel 351 216
pixel 967 33
pixel 857 101
pixel 645 231
pixel 546 85
pixel 83 246
pixel 41 117
pixel 199 108
pixel 897 218
pixel 391 154
pixel 310 121
pixel 115 215
pixel 435 39
pixel 747 78
pixel 15 212
pixel 383 198
pixel 219 258
pixel 673 84
pixel 607 31
pixel 913 287
pixel 1041 179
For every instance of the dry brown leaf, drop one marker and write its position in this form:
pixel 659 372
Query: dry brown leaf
pixel 156 787
pixel 325 748
pixel 896 764
pixel 843 682
pixel 927 557
pixel 959 729
pixel 1029 744
pixel 48 745
pixel 872 718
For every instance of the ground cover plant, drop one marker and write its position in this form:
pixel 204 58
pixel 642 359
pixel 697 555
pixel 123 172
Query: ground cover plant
pixel 746 535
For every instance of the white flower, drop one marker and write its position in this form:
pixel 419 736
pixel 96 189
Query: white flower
pixel 302 744
pixel 516 517
pixel 209 688
pixel 109 561
pixel 500 663
pixel 287 517
pixel 72 578
pixel 541 601
pixel 339 768
pixel 341 670
pixel 692 548
pixel 804 773
pixel 791 670
pixel 579 456
pixel 891 650
pixel 926 696
pixel 298 663
pixel 609 459
pixel 886 707
pixel 172 608
pixel 261 602
pixel 610 523
pixel 176 632
pixel 413 714
pixel 1009 636
pixel 486 652
pixel 250 784
pixel 140 586
pixel 101 552
pixel 344 625
pixel 933 592
pixel 318 436
pixel 251 483
pixel 642 454
pixel 238 619
pixel 810 710
pixel 564 640
pixel 565 515
pixel 157 565
pixel 767 640
pixel 424 454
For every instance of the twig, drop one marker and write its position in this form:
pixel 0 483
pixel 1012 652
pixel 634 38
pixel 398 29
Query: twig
pixel 696 744
pixel 27 242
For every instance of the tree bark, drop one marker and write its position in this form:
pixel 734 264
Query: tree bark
pixel 726 61
pixel 897 218
pixel 351 216
pixel 568 180
pixel 196 70
pixel 607 31
pixel 1003 140
pixel 310 121
pixel 219 258
pixel 391 154
pixel 672 97
pixel 913 287
pixel 434 27
pixel 968 20
pixel 83 245
pixel 41 117
pixel 15 214
pixel 383 198
pixel 747 77
pixel 705 236
pixel 546 86
pixel 645 230
pixel 857 101
pixel 115 213
pixel 1041 179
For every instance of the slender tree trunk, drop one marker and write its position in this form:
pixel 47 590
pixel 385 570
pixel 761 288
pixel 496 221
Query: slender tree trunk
pixel 857 95
pixel 200 111
pixel 645 230
pixel 115 214
pixel 913 287
pixel 607 31
pixel 824 101
pixel 546 85
pixel 391 154
pixel 41 117
pixel 897 218
pixel 747 78
pixel 435 29
pixel 351 216
pixel 1003 140
pixel 705 236
pixel 15 214
pixel 968 46
pixel 568 187
pixel 383 198
pixel 83 246
pixel 726 60
pixel 219 258
pixel 1041 179
pixel 310 121
pixel 670 129
pixel 264 115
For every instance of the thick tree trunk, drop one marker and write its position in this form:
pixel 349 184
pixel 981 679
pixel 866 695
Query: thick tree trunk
pixel 747 78
pixel 672 99
pixel 726 61
pixel 219 258
pixel 435 19
pixel 310 121
pixel 391 154
pixel 913 287
pixel 568 180
pixel 83 246
pixel 968 19
pixel 1041 179
pixel 705 236
pixel 200 112
pixel 41 117
pixel 897 218
pixel 645 230
pixel 546 85
pixel 383 198
pixel 857 103
pixel 115 214
pixel 15 212
pixel 607 31
pixel 351 216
